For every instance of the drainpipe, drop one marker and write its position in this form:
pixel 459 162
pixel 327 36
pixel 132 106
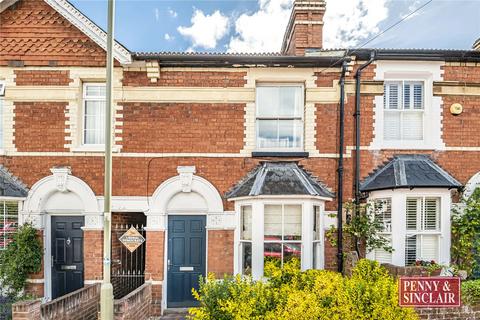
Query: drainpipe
pixel 340 171
pixel 358 80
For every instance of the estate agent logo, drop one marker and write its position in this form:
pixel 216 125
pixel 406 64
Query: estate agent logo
pixel 132 239
pixel 431 292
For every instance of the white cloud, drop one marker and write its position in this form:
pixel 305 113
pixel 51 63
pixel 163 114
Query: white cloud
pixel 205 30
pixel 168 37
pixel 350 22
pixel 157 14
pixel 172 13
pixel 263 30
pixel 411 8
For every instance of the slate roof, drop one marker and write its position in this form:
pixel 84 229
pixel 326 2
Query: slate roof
pixel 409 171
pixel 11 186
pixel 278 178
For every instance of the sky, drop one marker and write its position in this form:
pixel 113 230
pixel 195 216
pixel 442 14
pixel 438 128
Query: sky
pixel 258 25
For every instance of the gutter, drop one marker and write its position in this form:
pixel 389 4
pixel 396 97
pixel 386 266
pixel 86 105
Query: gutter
pixel 358 79
pixel 340 171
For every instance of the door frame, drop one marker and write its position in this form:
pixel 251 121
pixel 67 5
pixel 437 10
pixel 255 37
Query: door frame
pixel 47 257
pixel 166 248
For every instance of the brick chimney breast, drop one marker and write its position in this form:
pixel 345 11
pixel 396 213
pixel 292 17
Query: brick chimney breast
pixel 305 27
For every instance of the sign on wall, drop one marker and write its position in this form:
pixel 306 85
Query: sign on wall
pixel 429 292
pixel 132 239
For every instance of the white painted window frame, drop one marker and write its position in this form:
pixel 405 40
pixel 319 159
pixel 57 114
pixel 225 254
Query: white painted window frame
pixel 301 118
pixel 2 108
pixel 258 205
pixel 86 98
pixel 414 71
pixel 399 228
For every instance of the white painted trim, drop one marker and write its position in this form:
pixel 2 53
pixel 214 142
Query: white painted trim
pixel 399 231
pixel 427 72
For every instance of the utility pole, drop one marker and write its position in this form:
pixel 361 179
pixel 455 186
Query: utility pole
pixel 106 293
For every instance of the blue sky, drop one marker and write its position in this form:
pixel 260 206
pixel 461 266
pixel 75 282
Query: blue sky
pixel 258 25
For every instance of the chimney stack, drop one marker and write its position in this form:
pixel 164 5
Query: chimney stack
pixel 305 27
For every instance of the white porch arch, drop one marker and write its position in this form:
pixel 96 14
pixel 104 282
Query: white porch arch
pixel 471 185
pixel 186 193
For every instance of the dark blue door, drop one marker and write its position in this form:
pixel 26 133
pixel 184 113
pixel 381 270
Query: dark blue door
pixel 186 259
pixel 67 254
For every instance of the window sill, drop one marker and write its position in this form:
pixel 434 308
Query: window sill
pixel 406 145
pixel 97 149
pixel 280 154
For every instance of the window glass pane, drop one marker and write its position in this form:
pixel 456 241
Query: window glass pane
pixel 428 247
pixel 383 210
pixel 393 96
pixel 317 232
pixel 246 217
pixel 418 96
pixel 290 101
pixel 412 125
pixel 289 133
pixel 1 123
pixel 273 253
pixel 291 251
pixel 412 211
pixel 92 90
pixel 431 217
pixel 246 249
pixel 392 126
pixel 292 222
pixel 383 256
pixel 94 122
pixel 410 250
pixel 273 222
pixel 267 135
pixel 267 101
pixel 8 222
pixel 317 251
pixel 406 96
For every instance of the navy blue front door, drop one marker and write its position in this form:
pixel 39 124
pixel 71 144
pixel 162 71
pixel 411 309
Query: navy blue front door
pixel 186 259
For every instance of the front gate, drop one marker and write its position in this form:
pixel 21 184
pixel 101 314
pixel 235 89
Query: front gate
pixel 128 268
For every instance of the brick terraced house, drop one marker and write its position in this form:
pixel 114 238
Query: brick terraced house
pixel 224 160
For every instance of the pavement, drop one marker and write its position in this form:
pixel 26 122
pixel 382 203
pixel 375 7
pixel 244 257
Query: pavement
pixel 173 314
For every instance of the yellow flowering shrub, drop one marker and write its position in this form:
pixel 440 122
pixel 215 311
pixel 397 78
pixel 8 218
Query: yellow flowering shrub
pixel 370 293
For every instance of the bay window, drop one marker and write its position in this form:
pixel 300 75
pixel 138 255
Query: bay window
pixel 277 231
pixel 94 113
pixel 279 119
pixel 403 110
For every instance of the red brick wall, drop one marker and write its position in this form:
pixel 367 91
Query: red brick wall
pixel 154 267
pixel 42 77
pixel 461 130
pixel 34 33
pixel 220 252
pixel 186 79
pixel 135 306
pixel 40 126
pixel 461 73
pixel 462 313
pixel 179 127
pixel 93 254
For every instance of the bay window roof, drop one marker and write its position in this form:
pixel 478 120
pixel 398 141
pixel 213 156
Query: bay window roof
pixel 409 171
pixel 11 186
pixel 278 178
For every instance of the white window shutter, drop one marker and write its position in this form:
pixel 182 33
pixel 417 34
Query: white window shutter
pixel 383 256
pixel 418 96
pixel 410 250
pixel 391 129
pixel 429 247
pixel 431 216
pixel 394 96
pixel 406 96
pixel 412 126
pixel 412 211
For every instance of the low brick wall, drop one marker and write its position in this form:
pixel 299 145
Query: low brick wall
pixel 136 305
pixel 82 304
pixel 462 313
